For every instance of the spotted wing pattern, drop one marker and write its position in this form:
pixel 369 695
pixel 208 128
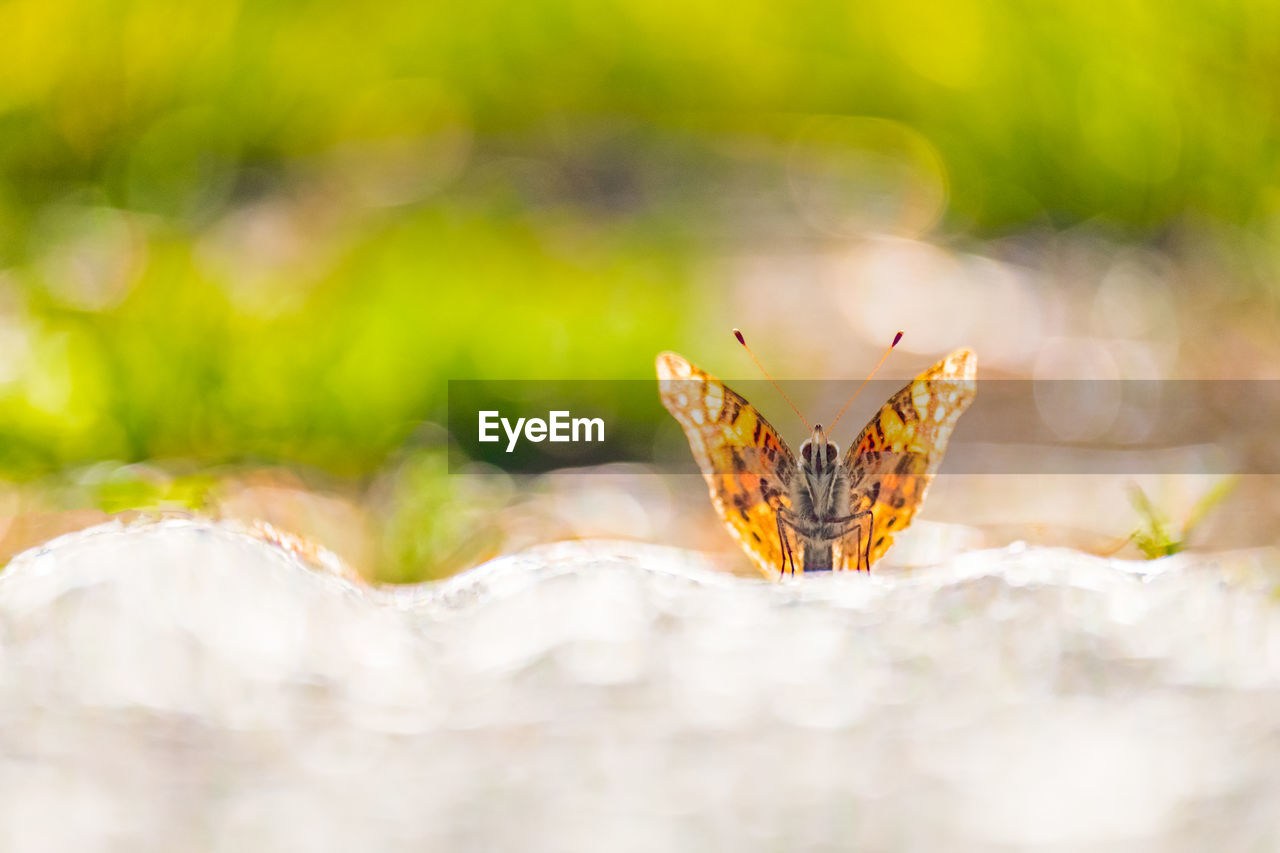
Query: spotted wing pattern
pixel 894 459
pixel 747 465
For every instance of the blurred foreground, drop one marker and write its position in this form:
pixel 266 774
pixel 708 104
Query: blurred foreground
pixel 183 686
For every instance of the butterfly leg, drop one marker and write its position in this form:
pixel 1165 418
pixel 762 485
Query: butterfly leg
pixel 864 555
pixel 787 554
pixel 855 522
pixel 864 541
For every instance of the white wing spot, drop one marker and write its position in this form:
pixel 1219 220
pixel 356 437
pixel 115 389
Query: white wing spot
pixel 714 398
pixel 920 397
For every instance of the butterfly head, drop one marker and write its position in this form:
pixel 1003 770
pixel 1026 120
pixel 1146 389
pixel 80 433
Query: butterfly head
pixel 819 463
pixel 817 454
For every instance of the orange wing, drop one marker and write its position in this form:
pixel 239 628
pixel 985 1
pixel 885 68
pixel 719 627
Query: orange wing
pixel 747 465
pixel 894 459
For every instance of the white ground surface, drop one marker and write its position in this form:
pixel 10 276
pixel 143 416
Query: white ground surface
pixel 181 686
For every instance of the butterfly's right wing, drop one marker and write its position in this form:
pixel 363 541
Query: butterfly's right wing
pixel 894 459
pixel 747 465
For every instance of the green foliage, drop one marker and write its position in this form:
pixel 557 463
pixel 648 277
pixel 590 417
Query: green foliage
pixel 184 367
pixel 1031 106
pixel 131 487
pixel 437 524
pixel 1157 536
pixel 272 231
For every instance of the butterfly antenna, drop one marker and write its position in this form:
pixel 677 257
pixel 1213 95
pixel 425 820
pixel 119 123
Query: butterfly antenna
pixel 896 338
pixel 743 341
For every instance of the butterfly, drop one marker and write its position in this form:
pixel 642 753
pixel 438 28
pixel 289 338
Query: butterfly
pixel 820 513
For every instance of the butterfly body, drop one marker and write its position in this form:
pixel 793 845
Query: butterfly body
pixel 820 502
pixel 820 512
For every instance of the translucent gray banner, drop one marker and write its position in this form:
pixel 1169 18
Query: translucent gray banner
pixel 1013 426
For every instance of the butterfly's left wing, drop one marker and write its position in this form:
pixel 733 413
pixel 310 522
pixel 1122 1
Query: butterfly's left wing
pixel 893 460
pixel 747 465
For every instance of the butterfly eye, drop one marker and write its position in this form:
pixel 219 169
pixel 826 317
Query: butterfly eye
pixel 806 452
pixel 831 454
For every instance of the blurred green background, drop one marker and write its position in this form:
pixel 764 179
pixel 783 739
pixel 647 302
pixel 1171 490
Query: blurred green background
pixel 250 243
